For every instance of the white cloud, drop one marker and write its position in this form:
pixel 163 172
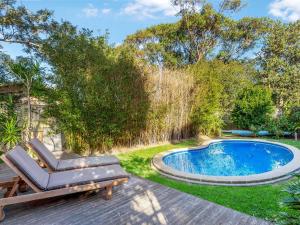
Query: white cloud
pixel 106 11
pixel 288 10
pixel 90 11
pixel 150 8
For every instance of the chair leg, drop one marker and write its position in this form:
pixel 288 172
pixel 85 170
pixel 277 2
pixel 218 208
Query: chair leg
pixel 108 192
pixel 2 214
pixel 12 191
pixel 23 187
pixel 8 193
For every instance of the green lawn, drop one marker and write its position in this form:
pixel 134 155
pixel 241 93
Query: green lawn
pixel 259 201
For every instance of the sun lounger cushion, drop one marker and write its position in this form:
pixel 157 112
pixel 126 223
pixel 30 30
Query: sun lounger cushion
pixel 85 176
pixel 86 162
pixel 60 165
pixel 28 167
pixel 45 181
pixel 44 153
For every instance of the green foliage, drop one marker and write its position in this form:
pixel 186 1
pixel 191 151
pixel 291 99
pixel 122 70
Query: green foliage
pixel 199 35
pixel 10 130
pixel 27 72
pixel 21 26
pixel 10 133
pixel 291 216
pixel 24 70
pixel 286 122
pixel 280 64
pixel 241 37
pixel 206 111
pixel 99 98
pixel 294 117
pixel 293 190
pixel 216 86
pixel 4 74
pixel 253 107
pixel 277 126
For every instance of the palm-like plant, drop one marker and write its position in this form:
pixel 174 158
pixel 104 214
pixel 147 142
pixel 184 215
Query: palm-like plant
pixel 293 190
pixel 292 204
pixel 11 133
pixel 26 71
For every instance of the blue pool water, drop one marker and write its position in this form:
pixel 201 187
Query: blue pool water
pixel 230 158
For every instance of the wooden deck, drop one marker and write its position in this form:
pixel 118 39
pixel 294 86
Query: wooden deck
pixel 137 202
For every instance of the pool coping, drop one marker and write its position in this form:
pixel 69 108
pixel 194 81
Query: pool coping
pixel 258 179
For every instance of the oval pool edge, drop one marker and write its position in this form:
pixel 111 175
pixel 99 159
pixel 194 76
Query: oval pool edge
pixel 273 176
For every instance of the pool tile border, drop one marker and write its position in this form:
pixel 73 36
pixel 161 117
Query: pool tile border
pixel 257 179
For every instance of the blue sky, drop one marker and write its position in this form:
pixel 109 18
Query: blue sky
pixel 123 17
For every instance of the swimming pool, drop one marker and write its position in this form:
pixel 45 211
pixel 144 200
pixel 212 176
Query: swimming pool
pixel 231 162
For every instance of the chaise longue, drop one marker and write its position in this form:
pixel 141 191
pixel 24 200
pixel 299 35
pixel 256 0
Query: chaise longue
pixel 58 183
pixel 54 164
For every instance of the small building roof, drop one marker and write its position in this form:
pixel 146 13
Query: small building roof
pixel 16 89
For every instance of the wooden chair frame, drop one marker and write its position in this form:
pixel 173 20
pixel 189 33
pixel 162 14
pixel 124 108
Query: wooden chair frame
pixel 11 196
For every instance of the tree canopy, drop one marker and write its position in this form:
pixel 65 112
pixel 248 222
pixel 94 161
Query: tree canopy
pixel 199 35
pixel 279 61
pixel 21 26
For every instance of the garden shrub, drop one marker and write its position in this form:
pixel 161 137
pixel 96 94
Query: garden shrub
pixel 277 126
pixel 216 86
pixel 253 107
pixel 294 117
pixel 206 110
pixel 10 129
pixel 291 204
pixel 99 98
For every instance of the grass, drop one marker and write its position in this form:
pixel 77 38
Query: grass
pixel 259 201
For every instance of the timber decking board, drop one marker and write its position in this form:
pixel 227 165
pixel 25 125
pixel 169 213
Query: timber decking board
pixel 137 202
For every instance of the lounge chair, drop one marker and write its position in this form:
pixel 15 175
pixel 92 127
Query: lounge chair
pixel 47 185
pixel 54 164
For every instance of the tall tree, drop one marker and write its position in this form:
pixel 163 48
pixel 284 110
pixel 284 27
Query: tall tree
pixel 25 71
pixel 241 37
pixel 279 62
pixel 185 42
pixel 203 28
pixel 21 26
pixel 201 33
